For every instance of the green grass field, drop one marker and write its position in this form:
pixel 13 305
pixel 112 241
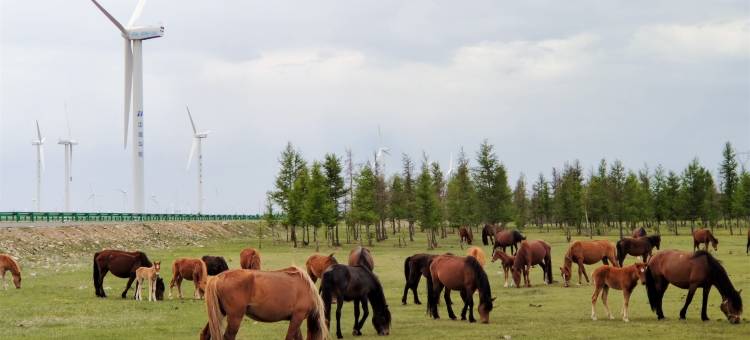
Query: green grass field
pixel 60 303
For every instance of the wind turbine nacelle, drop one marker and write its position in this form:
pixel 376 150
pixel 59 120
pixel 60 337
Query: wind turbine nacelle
pixel 145 32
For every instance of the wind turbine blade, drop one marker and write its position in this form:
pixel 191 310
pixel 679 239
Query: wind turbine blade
pixel 136 12
pixel 128 89
pixel 111 18
pixel 192 151
pixel 191 120
pixel 38 131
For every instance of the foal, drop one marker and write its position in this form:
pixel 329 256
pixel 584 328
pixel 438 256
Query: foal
pixel 625 279
pixel 150 274
pixel 507 262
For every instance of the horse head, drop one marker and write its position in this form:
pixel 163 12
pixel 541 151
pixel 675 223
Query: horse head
pixel 157 266
pixel 715 243
pixel 382 321
pixel 484 309
pixel 17 280
pixel 732 307
pixel 641 271
pixel 565 272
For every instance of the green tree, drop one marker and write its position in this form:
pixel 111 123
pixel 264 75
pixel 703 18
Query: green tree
pixel 675 208
pixel 410 196
pixel 570 196
pixel 461 196
pixel 616 184
pixel 598 196
pixel 317 208
pixel 729 182
pixel 541 201
pixel 295 213
pixel 741 199
pixel 660 199
pixel 521 202
pixel 364 204
pixel 493 192
pixel 696 192
pixel 336 193
pixel 438 183
pixel 427 204
pixel 397 203
pixel 290 165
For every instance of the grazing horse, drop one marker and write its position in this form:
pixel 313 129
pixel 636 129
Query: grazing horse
pixel 361 256
pixel 7 263
pixel 215 264
pixel 637 247
pixel 691 271
pixel 150 274
pixel 488 233
pixel 191 270
pixel 286 294
pixel 465 235
pixel 507 263
pixel 586 252
pixel 415 267
pixel 250 259
pixel 358 284
pixel 625 279
pixel 316 264
pixel 465 275
pixel 704 236
pixel 478 254
pixel 639 232
pixel 508 238
pixel 122 264
pixel 530 254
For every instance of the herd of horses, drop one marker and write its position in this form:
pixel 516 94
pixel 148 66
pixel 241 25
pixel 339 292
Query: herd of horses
pixel 291 293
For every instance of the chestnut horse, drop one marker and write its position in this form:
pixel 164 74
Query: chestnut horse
pixel 7 263
pixel 286 294
pixel 639 232
pixel 250 259
pixel 478 254
pixel 415 267
pixel 360 256
pixel 464 274
pixel 704 236
pixel 192 270
pixel 586 252
pixel 531 253
pixel 691 271
pixel 507 263
pixel 465 235
pixel 641 246
pixel 625 279
pixel 122 264
pixel 215 264
pixel 508 238
pixel 316 264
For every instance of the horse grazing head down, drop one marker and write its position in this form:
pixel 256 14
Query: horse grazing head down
pixel 732 307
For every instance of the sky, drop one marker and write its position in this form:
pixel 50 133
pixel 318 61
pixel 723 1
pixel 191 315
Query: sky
pixel 645 82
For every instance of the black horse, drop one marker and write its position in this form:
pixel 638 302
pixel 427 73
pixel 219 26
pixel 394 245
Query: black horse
pixel 215 264
pixel 159 289
pixel 358 284
pixel 488 234
pixel 641 246
pixel 415 267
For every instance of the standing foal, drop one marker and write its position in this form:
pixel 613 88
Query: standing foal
pixel 150 274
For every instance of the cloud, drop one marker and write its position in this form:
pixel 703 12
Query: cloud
pixel 677 42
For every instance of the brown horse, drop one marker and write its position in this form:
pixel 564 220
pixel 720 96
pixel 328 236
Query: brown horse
pixel 122 264
pixel 637 247
pixel 192 270
pixel 704 236
pixel 464 274
pixel 531 253
pixel 361 256
pixel 586 252
pixel 478 254
pixel 488 233
pixel 465 235
pixel 415 267
pixel 7 263
pixel 639 232
pixel 286 294
pixel 250 259
pixel 316 264
pixel 507 263
pixel 508 238
pixel 691 271
pixel 625 279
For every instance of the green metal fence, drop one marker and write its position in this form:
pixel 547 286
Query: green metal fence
pixel 106 217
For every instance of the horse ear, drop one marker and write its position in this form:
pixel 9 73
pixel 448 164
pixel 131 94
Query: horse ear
pixel 739 292
pixel 493 298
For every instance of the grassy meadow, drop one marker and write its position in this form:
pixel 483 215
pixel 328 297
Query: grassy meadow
pixel 60 303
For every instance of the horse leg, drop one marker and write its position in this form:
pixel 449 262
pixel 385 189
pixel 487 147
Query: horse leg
pixel 449 303
pixel 436 291
pixel 582 268
pixel 594 296
pixel 356 331
pixel 365 313
pixel 580 272
pixel 605 295
pixel 339 305
pixel 626 301
pixel 233 325
pixel 688 299
pixel 661 287
pixel 151 290
pixel 505 274
pixel 127 287
pixel 706 290
pixel 466 305
pixel 205 333
pixel 100 282
pixel 5 283
pixel 137 296
pixel 470 306
pixel 414 287
pixel 293 331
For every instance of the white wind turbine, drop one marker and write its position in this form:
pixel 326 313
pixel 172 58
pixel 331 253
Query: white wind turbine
pixel 92 198
pixel 39 143
pixel 134 37
pixel 68 143
pixel 450 168
pixel 197 148
pixel 382 152
pixel 124 199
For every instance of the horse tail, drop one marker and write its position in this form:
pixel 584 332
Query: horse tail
pixel 652 292
pixel 432 298
pixel 548 265
pixel 620 252
pixel 406 269
pixel 316 324
pixel 204 276
pixel 485 235
pixel 96 274
pixel 482 282
pixel 213 308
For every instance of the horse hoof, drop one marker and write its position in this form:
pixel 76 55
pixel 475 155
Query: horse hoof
pixel 339 336
pixel 705 319
pixel 593 318
pixel 417 303
pixel 453 318
pixel 626 320
pixel 472 320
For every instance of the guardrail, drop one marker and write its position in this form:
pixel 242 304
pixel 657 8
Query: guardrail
pixel 106 217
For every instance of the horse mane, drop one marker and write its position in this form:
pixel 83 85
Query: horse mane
pixel 144 258
pixel 720 278
pixel 482 282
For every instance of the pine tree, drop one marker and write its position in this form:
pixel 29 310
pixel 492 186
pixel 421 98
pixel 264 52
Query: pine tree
pixel 659 194
pixel 541 201
pixel 410 197
pixel 317 204
pixel 295 213
pixel 438 183
pixel 493 192
pixel 461 196
pixel 397 203
pixel 729 182
pixel 673 197
pixel 616 184
pixel 336 192
pixel 741 199
pixel 696 187
pixel 427 203
pixel 364 205
pixel 521 202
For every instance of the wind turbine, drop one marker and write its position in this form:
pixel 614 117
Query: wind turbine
pixel 124 199
pixel 450 168
pixel 134 37
pixel 68 143
pixel 382 151
pixel 197 148
pixel 39 143
pixel 92 198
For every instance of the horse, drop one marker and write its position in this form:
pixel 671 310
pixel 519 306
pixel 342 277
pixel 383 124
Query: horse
pixel 215 264
pixel 488 233
pixel 192 270
pixel 150 274
pixel 250 259
pixel 361 256
pixel 478 254
pixel 625 279
pixel 264 296
pixel 358 284
pixel 530 254
pixel 507 263
pixel 637 247
pixel 586 252
pixel 464 274
pixel 704 236
pixel 639 232
pixel 415 267
pixel 122 264
pixel 508 238
pixel 159 289
pixel 465 235
pixel 316 264
pixel 7 263
pixel 691 271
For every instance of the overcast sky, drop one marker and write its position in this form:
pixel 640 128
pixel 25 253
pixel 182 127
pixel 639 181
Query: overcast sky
pixel 646 82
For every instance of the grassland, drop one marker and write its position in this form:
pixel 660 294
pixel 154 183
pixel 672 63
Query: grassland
pixel 59 303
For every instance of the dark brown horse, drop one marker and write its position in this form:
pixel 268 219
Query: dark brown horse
pixel 286 294
pixel 639 232
pixel 508 238
pixel 415 267
pixel 361 256
pixel 507 263
pixel 316 264
pixel 704 236
pixel 215 264
pixel 192 270
pixel 465 235
pixel 488 233
pixel 691 271
pixel 531 253
pixel 637 247
pixel 586 252
pixel 122 264
pixel 465 275
pixel 250 259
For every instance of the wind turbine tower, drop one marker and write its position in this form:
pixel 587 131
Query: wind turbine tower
pixel 68 144
pixel 197 148
pixel 39 144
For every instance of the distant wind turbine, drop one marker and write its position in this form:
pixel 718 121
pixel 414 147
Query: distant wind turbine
pixel 382 152
pixel 39 143
pixel 197 148
pixel 68 143
pixel 124 199
pixel 92 198
pixel 450 168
